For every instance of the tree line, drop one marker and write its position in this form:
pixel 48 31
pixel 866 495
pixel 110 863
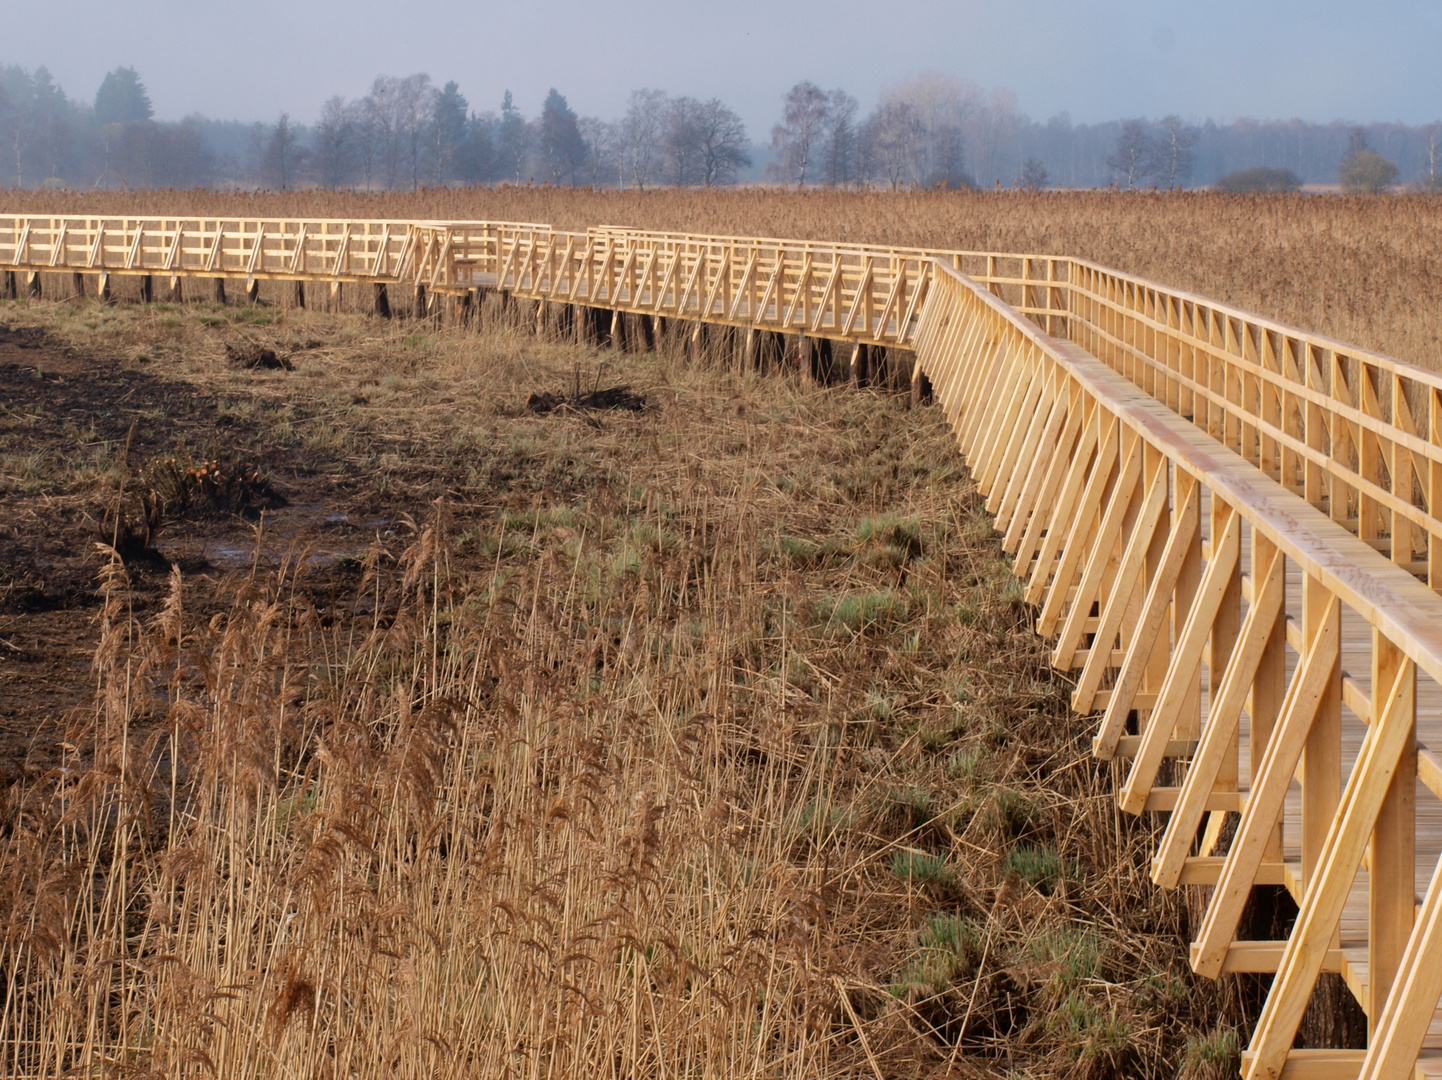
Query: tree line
pixel 929 131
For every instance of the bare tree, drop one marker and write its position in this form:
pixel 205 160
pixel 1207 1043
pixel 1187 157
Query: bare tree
pixel 720 142
pixel 640 136
pixel 603 164
pixel 928 115
pixel 891 140
pixel 1033 175
pixel 415 108
pixel 280 162
pixel 800 136
pixel 1134 156
pixel 370 139
pixel 1433 149
pixel 336 143
pixel 991 126
pixel 680 137
pixel 841 162
pixel 1172 166
pixel 383 119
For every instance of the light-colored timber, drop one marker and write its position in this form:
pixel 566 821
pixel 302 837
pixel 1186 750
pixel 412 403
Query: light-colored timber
pixel 1230 529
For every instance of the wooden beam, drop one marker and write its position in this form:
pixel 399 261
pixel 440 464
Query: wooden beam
pixel 1264 803
pixel 1339 859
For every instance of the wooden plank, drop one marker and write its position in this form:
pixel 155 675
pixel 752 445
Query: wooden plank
pixel 1339 859
pixel 1149 624
pixel 1185 664
pixel 1264 805
pixel 1221 725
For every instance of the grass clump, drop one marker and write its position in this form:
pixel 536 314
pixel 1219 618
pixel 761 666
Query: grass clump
pixel 856 612
pixel 917 868
pixel 1213 1055
pixel 1040 867
pixel 948 947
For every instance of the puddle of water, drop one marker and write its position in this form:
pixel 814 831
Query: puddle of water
pixel 229 556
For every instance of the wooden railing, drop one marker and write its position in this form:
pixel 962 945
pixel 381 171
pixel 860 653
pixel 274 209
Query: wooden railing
pixel 1160 466
pixel 865 294
pixel 1352 432
pixel 1101 491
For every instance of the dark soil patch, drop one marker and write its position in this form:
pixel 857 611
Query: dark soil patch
pixel 621 398
pixel 200 488
pixel 251 356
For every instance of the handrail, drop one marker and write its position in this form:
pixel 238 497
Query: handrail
pixel 1098 489
pixel 1350 430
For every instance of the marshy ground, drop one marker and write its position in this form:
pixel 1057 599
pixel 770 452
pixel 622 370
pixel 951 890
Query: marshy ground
pixel 705 737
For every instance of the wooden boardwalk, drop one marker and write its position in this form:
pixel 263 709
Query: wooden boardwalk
pixel 1230 529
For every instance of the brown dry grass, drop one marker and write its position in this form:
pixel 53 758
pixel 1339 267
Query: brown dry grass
pixel 716 743
pixel 1362 269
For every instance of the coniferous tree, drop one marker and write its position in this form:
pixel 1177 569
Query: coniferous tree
pixel 122 99
pixel 451 130
pixel 559 144
pixel 511 139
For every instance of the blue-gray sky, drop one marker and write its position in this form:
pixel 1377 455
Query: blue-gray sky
pixel 1317 60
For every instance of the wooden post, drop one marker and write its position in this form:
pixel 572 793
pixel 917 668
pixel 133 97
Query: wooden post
pixel 382 301
pixel 418 303
pixel 177 291
pixel 617 337
pixel 660 328
pixel 78 281
pixel 300 295
pixel 860 363
pixel 32 284
pixel 1269 689
pixel 751 350
pixel 332 303
pixel 920 386
pixel 1391 896
pixel 220 290
pixel 1322 758
pixel 643 338
pixel 252 292
pixel 1218 652
pixel 803 357
pixel 821 361
pixel 464 307
pixel 147 289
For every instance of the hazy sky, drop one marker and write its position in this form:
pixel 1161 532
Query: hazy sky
pixel 1319 60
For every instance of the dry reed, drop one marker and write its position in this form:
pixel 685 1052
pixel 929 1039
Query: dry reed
pixel 718 745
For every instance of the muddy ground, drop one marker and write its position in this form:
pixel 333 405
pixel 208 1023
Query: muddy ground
pixel 81 429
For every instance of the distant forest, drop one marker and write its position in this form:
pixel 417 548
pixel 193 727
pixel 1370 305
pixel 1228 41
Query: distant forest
pixel 408 132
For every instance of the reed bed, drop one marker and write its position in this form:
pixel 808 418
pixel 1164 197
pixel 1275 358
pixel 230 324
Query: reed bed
pixel 1362 269
pixel 708 742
